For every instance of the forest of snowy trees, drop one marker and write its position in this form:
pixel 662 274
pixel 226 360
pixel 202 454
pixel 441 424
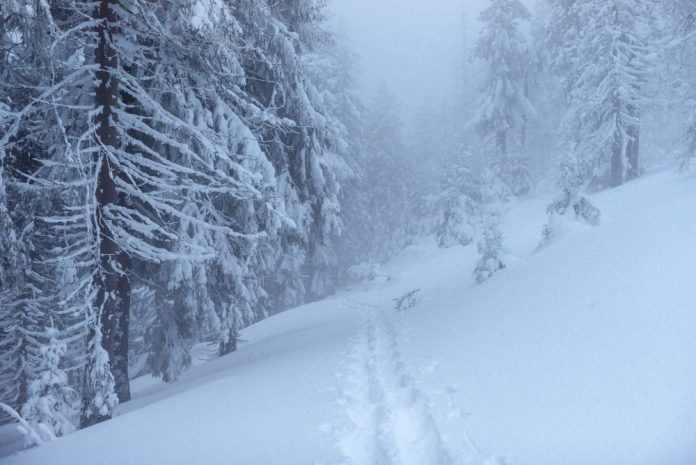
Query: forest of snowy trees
pixel 173 172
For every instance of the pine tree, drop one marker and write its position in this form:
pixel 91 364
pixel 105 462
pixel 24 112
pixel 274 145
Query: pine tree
pixel 98 391
pixel 170 340
pixel 569 205
pixel 297 136
pixel 490 245
pixel 19 318
pixel 458 204
pixel 605 68
pixel 21 315
pixel 205 174
pixel 504 105
pixel 49 408
pixel 332 70
pixel 151 143
pixel 679 28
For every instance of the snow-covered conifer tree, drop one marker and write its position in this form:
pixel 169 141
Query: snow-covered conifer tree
pixel 18 316
pixel 98 389
pixel 604 68
pixel 296 134
pixel 458 204
pixel 188 148
pixel 152 142
pixel 678 61
pixel 490 244
pixel 504 106
pixel 49 406
pixel 21 315
pixel 570 205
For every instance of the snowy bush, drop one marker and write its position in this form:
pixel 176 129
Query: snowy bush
pixel 458 204
pixel 366 271
pixel 453 227
pixel 490 247
pixel 571 208
pixel 406 301
pixel 49 405
pixel 98 395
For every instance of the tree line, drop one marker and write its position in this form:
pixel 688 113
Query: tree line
pixel 587 93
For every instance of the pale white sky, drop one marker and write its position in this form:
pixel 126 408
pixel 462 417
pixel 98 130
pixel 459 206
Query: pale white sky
pixel 415 46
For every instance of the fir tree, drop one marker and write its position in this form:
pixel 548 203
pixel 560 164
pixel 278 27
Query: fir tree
pixel 49 408
pixel 98 387
pixel 296 134
pixel 605 69
pixel 569 205
pixel 504 105
pixel 19 317
pixel 490 245
pixel 678 69
pixel 458 204
pixel 205 174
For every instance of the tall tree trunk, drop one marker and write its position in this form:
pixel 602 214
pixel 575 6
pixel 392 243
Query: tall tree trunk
pixel 112 281
pixel 616 175
pixel 22 380
pixel 618 147
pixel 525 122
pixel 633 149
pixel 119 357
pixel 501 144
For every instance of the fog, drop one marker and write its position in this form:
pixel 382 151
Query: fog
pixel 348 232
pixel 415 47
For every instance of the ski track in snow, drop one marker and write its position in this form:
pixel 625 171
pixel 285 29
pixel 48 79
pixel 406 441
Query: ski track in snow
pixel 390 422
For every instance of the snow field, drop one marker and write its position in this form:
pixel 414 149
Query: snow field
pixel 579 353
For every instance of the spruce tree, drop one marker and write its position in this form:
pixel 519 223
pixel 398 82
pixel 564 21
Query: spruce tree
pixel 490 244
pixel 458 204
pixel 504 107
pixel 49 406
pixel 604 58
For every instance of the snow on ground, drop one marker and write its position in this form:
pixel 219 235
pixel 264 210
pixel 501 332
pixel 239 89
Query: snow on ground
pixel 580 353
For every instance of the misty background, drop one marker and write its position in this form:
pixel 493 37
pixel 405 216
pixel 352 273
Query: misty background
pixel 418 48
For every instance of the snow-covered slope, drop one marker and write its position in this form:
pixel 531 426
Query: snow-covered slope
pixel 580 353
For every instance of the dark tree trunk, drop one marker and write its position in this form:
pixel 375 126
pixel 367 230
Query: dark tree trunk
pixel 525 122
pixel 112 281
pixel 501 143
pixel 119 357
pixel 633 149
pixel 230 346
pixel 616 164
pixel 616 175
pixel 23 379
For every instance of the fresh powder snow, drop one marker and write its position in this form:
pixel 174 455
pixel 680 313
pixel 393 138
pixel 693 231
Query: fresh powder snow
pixel 580 352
